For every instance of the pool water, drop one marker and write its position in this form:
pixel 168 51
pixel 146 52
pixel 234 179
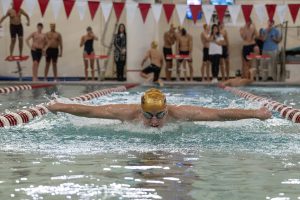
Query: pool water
pixel 67 157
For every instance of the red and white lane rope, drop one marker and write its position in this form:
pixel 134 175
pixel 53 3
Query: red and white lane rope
pixel 285 111
pixel 10 89
pixel 24 116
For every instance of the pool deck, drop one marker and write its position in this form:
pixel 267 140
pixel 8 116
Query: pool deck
pixel 168 83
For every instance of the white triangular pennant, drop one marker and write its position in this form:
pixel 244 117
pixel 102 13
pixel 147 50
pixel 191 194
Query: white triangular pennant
pixel 181 11
pixel 234 12
pixel 208 11
pixel 156 10
pixel 131 9
pixel 81 8
pixel 6 4
pixel 106 9
pixel 260 10
pixel 30 6
pixel 56 5
pixel 281 12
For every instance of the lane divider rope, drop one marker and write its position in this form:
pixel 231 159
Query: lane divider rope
pixel 285 111
pixel 25 116
pixel 15 88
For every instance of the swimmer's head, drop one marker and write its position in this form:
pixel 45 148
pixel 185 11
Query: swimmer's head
pixel 172 28
pixel 89 29
pixel 153 100
pixel 154 45
pixel 40 26
pixel 52 26
pixel 154 105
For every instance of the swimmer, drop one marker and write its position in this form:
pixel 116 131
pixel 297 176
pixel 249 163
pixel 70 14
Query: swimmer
pixel 248 34
pixel 37 46
pixel 169 41
pixel 16 27
pixel 184 46
pixel 156 59
pixel 87 41
pixel 53 50
pixel 155 112
pixel 205 59
pixel 238 80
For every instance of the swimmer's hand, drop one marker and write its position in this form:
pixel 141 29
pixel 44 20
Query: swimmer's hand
pixel 263 113
pixel 53 106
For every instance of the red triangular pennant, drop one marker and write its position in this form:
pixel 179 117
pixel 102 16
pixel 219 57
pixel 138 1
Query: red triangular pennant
pixel 69 6
pixel 144 8
pixel 118 7
pixel 168 8
pixel 43 6
pixel 195 10
pixel 221 9
pixel 247 9
pixel 17 5
pixel 294 8
pixel 93 6
pixel 271 10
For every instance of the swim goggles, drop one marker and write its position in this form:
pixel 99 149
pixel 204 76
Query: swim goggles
pixel 159 115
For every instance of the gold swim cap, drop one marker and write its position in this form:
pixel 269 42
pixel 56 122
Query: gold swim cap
pixel 153 100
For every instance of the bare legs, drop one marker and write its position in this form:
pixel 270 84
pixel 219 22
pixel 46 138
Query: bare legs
pixel 191 70
pixel 205 71
pixel 168 70
pixel 86 67
pixel 21 46
pixel 35 67
pixel 184 68
pixel 13 43
pixel 54 65
pixel 12 46
pixel 246 68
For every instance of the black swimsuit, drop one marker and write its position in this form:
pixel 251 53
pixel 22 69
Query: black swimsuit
pixel 88 46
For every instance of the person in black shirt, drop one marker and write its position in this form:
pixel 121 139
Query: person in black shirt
pixel 120 51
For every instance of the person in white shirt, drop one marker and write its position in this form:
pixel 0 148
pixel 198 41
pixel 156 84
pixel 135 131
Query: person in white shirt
pixel 215 50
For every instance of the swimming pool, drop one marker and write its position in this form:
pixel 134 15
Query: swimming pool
pixel 66 157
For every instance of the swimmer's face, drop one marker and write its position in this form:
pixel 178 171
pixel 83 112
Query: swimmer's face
pixel 154 118
pixel 52 27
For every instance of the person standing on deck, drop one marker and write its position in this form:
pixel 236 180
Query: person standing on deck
pixel 88 42
pixel 54 49
pixel 37 46
pixel 248 34
pixel 16 28
pixel 185 48
pixel 272 37
pixel 205 59
pixel 215 51
pixel 169 41
pixel 120 52
pixel 225 64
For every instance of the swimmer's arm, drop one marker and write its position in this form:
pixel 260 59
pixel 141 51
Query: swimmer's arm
pixel 60 44
pixel 27 40
pixel 4 17
pixel 145 58
pixel 195 113
pixel 26 15
pixel 82 41
pixel 117 111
